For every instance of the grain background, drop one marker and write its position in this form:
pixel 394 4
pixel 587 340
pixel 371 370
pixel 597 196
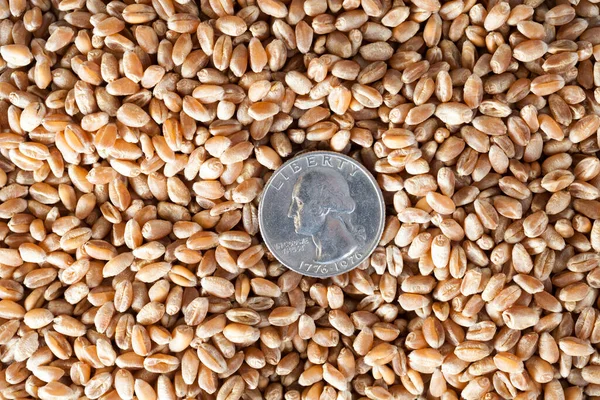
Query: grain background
pixel 136 138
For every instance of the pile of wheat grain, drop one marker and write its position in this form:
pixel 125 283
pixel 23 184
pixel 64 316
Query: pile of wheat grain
pixel 135 140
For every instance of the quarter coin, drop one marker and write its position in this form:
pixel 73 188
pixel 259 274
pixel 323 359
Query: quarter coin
pixel 321 214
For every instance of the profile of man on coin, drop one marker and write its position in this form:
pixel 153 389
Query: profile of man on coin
pixel 332 210
pixel 322 208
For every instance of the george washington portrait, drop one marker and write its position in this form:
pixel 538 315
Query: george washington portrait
pixel 322 208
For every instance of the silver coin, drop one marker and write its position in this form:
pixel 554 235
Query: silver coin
pixel 321 214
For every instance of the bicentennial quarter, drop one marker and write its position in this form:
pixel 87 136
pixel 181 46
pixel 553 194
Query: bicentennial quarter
pixel 321 214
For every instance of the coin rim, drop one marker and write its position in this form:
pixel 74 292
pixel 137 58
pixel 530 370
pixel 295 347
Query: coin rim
pixel 370 177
